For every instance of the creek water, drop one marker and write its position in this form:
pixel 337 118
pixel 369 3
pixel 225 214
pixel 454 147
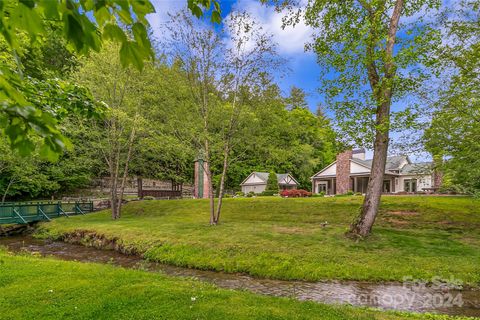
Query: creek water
pixel 413 297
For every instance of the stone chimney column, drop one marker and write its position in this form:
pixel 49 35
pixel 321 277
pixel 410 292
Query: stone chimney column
pixel 201 187
pixel 343 172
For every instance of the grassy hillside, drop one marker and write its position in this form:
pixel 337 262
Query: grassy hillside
pixel 280 238
pixel 39 288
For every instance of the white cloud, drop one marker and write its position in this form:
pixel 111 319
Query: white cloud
pixel 290 40
pixel 159 19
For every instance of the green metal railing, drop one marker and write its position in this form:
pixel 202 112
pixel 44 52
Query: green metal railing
pixel 25 212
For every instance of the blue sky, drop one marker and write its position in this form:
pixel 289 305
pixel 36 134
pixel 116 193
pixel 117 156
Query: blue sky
pixel 303 69
pixel 303 72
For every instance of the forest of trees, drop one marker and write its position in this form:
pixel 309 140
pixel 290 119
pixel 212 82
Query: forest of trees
pixel 93 95
pixel 121 121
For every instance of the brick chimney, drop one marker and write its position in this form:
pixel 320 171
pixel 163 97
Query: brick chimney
pixel 343 172
pixel 201 188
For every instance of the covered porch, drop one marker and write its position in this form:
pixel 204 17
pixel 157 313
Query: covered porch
pixel 360 183
pixel 325 185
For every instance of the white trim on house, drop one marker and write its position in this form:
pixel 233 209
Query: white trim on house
pixel 324 169
pixel 400 173
pixel 257 182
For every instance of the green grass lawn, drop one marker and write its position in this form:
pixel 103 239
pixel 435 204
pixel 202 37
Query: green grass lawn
pixel 280 238
pixel 41 288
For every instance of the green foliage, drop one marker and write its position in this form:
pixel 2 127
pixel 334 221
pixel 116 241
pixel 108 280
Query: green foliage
pixel 250 194
pixel 85 26
pixel 295 141
pixel 175 297
pixel 454 132
pixel 19 117
pixel 358 73
pixel 319 195
pixel 175 232
pixel 296 99
pixel 269 192
pixel 272 182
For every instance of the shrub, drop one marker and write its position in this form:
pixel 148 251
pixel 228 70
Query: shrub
pixel 349 193
pixel 269 193
pixel 295 193
pixel 272 182
pixel 240 194
pixel 148 198
pixel 320 194
pixel 250 194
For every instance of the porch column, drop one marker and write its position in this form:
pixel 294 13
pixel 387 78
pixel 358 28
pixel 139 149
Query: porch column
pixel 354 189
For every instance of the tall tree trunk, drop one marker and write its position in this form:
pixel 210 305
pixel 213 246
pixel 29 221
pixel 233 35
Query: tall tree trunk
pixel 382 93
pixel 363 226
pixel 125 169
pixel 221 190
pixel 114 182
pixel 7 189
pixel 208 172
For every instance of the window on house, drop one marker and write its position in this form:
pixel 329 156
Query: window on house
pixel 322 187
pixel 410 185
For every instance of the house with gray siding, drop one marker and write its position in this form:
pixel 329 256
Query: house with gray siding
pixel 257 182
pixel 351 171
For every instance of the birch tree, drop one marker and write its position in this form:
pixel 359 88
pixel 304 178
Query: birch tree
pixel 221 66
pixel 120 89
pixel 250 56
pixel 198 50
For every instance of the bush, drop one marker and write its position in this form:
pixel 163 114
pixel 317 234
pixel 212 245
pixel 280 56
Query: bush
pixel 349 193
pixel 240 194
pixel 269 193
pixel 320 194
pixel 250 194
pixel 451 189
pixel 295 193
pixel 272 182
pixel 148 198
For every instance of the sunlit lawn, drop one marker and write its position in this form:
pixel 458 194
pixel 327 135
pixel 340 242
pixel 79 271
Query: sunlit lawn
pixel 40 288
pixel 280 238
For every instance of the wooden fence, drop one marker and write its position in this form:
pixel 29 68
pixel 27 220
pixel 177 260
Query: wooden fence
pixel 160 193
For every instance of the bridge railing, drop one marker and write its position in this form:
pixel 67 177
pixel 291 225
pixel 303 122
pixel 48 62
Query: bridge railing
pixel 25 212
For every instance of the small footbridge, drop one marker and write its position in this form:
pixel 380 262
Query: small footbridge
pixel 26 212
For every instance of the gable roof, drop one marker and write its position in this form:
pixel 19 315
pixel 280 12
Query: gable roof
pixel 316 174
pixel 264 177
pixel 417 168
pixel 393 163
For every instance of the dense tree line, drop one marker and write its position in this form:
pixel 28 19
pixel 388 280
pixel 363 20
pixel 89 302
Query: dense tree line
pixel 453 134
pixel 277 133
